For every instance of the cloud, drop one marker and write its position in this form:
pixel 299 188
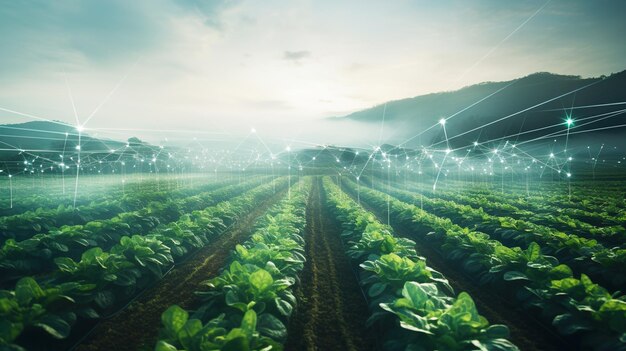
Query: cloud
pixel 296 56
pixel 42 37
pixel 209 10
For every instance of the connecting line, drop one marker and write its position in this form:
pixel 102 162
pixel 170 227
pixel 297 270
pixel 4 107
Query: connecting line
pixel 597 157
pixel 31 116
pixel 35 130
pixel 446 135
pixel 544 164
pixel 502 42
pixel 583 131
pixel 14 148
pixel 77 169
pixel 382 125
pixel 263 143
pixel 365 166
pixel 69 91
pixel 63 163
pixel 606 115
pixel 459 112
pixel 586 106
pixel 160 130
pixel 522 111
pixel 556 134
pixel 439 171
pixel 111 92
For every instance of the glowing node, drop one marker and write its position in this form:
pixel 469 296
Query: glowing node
pixel 442 121
pixel 77 147
pixel 569 121
pixel 448 151
pixel 475 143
pixel 80 128
pixel 569 175
pixel 551 155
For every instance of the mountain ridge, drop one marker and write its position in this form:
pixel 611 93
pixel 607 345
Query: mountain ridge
pixel 484 103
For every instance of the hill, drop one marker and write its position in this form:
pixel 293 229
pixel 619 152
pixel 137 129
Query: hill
pixel 540 100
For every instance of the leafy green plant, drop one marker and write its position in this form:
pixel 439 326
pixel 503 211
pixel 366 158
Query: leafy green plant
pixel 391 271
pixel 53 309
pixel 443 323
pixel 192 335
pixel 247 304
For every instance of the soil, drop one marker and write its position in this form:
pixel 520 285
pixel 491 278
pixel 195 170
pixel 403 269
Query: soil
pixel 137 327
pixel 332 311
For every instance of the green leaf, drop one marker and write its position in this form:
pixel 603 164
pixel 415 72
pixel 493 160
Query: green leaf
pixel 533 252
pixel 164 346
pixel 561 271
pixel 271 326
pixel 569 324
pixel 55 326
pixel 174 318
pixel 27 290
pixel 284 307
pixel 187 332
pixel 248 323
pixel 261 280
pixel 376 289
pixel 497 331
pixel 495 345
pixel 9 331
pixel 614 312
pixel 65 264
pixel 418 294
pixel 515 275
pixel 236 341
pixel 104 299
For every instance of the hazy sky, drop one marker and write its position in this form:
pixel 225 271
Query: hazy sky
pixel 225 65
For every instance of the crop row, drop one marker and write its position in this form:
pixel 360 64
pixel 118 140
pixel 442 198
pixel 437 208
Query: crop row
pixel 50 194
pixel 580 201
pixel 412 304
pixel 103 280
pixel 24 225
pixel 36 255
pixel 537 281
pixel 541 213
pixel 583 254
pixel 248 305
pixel 596 209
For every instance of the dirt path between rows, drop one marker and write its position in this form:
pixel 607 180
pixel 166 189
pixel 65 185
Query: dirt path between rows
pixel 137 327
pixel 331 313
pixel 526 332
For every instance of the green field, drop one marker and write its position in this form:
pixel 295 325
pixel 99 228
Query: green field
pixel 313 262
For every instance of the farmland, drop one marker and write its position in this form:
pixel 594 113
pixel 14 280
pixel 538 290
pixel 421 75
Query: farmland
pixel 205 175
pixel 314 262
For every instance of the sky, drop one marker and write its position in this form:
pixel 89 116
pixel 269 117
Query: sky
pixel 122 68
